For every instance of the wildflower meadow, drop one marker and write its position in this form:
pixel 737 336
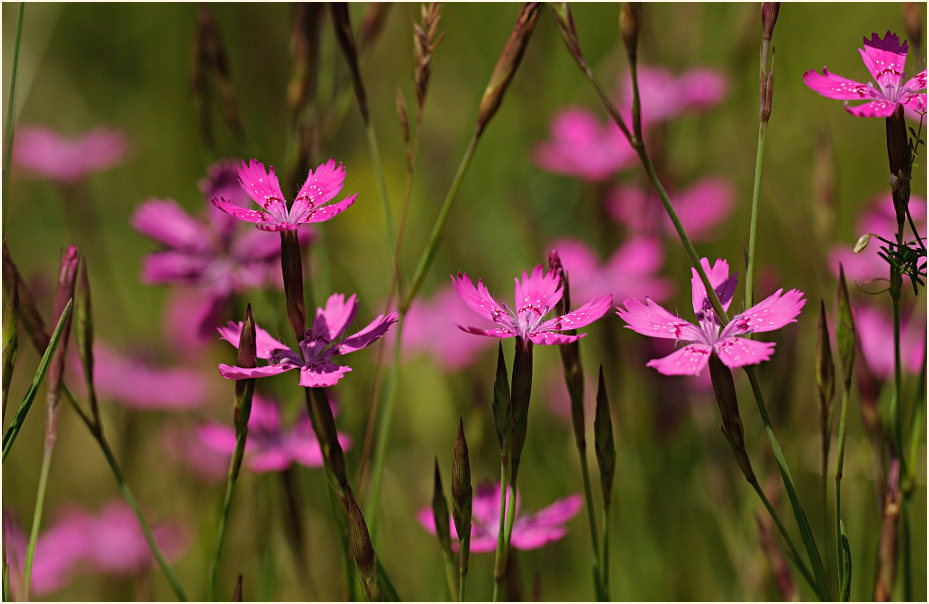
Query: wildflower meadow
pixel 260 343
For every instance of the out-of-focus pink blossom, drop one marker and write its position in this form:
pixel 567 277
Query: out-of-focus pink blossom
pixel 321 187
pixel 663 95
pixel 430 327
pixel 48 154
pixel 875 333
pixel 110 542
pixel 145 386
pixel 582 145
pixel 211 255
pixel 650 319
pixel 630 272
pixel 183 447
pixel 270 448
pixel 317 349
pixel 530 531
pixel 535 297
pixel 700 208
pixel 884 58
pixel 881 220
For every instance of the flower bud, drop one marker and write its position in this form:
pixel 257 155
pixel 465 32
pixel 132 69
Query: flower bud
pixel 67 275
pixel 898 153
pixel 343 32
pixel 520 392
pixel 246 357
pixel 292 270
pixel 603 441
pixel 825 378
pixel 565 22
pixel 85 336
pixel 769 11
pixel 629 16
pixel 462 495
pixel 359 544
pixel 726 400
pixel 28 312
pixel 501 402
pixel 507 63
pixel 845 331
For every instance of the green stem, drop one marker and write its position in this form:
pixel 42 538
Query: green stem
pixel 8 146
pixel 507 537
pixel 756 189
pixel 592 521
pixel 37 512
pixel 382 185
pixel 234 466
pixel 450 575
pixel 500 557
pixel 792 553
pixel 605 568
pixel 839 463
pixel 462 573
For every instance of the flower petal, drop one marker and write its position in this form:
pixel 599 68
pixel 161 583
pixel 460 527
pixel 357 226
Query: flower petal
pixel 774 312
pixel 218 437
pixel 326 212
pixel 689 360
pixel 702 206
pixel 492 333
pixel 165 221
pixel 650 319
pixel 585 315
pixel 175 267
pixel 884 58
pixel 722 283
pixel 548 338
pixel 540 291
pixel 478 298
pixel 332 320
pixel 321 185
pixel 271 459
pixel 873 109
pixel 737 352
pixel 265 345
pixel 231 372
pixel 322 375
pixel 265 221
pixel 917 82
pixel 374 330
pixel 834 86
pixel 263 187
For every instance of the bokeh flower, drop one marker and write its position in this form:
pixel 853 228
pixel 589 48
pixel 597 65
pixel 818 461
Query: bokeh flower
pixel 884 58
pixel 582 145
pixel 269 447
pixel 875 334
pixel 320 187
pixel 319 345
pixel 530 531
pixel 48 154
pixel 708 336
pixel 535 297
pixel 663 95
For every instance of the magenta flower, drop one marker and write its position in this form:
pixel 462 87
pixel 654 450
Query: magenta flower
pixel 700 208
pixel 585 147
pixel 663 96
pixel 530 531
pixel 875 333
pixel 629 273
pixel 68 161
pixel 880 220
pixel 439 315
pixel 211 255
pixel 321 186
pixel 181 445
pixel 319 345
pixel 707 337
pixel 269 448
pixel 535 297
pixel 109 542
pixel 884 58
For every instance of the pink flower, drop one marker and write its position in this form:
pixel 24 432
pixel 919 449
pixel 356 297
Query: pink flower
pixel 875 333
pixel 48 154
pixel 663 96
pixel 585 147
pixel 210 255
pixel 321 186
pixel 530 531
pixel 109 542
pixel 452 350
pixel 269 448
pixel 142 385
pixel 880 220
pixel 535 297
pixel 319 345
pixel 629 273
pixel 884 58
pixel 182 446
pixel 700 208
pixel 772 313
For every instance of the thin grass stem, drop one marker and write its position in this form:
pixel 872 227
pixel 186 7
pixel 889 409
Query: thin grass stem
pixel 591 520
pixel 234 465
pixel 839 464
pixel 8 144
pixel 37 511
pixel 605 558
pixel 500 556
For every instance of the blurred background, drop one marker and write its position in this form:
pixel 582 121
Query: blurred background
pixel 683 519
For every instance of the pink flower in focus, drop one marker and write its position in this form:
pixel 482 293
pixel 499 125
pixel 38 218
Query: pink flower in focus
pixel 530 531
pixel 629 273
pixel 535 296
pixel 211 255
pixel 269 448
pixel 663 96
pixel 109 542
pixel 454 349
pixel 319 345
pixel 582 146
pixel 68 161
pixel 700 208
pixel 143 386
pixel 772 313
pixel 875 333
pixel 880 220
pixel 320 187
pixel 884 58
